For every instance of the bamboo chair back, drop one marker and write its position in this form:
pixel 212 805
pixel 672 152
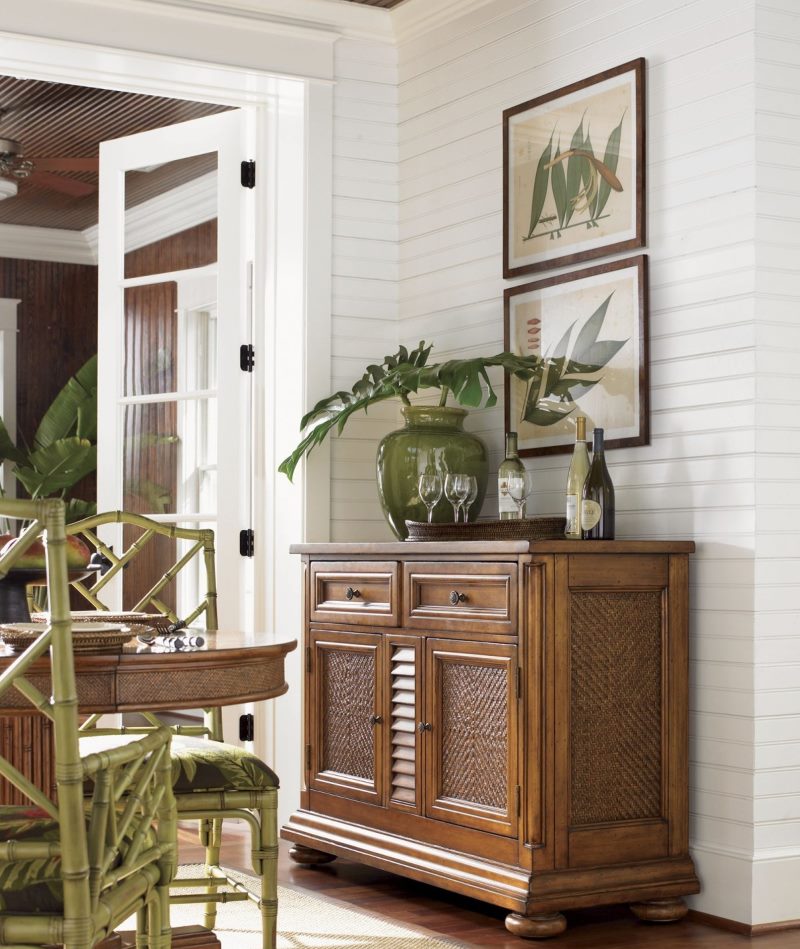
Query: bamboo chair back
pixel 113 861
pixel 201 544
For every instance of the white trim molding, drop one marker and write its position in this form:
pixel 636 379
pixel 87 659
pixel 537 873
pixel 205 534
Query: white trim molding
pixel 21 242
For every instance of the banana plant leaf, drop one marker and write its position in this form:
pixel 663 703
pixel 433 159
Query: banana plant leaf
pixel 8 450
pixel 73 411
pixel 57 467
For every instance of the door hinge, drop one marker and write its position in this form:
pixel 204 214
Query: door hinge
pixel 247 542
pixel 248 174
pixel 247 357
pixel 518 795
pixel 308 659
pixel 308 757
pixel 247 727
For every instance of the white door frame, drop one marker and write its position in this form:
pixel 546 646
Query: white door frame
pixel 294 152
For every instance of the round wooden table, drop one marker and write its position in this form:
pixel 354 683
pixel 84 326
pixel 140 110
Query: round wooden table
pixel 229 669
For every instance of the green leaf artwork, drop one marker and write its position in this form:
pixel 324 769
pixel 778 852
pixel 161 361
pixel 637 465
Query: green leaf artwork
pixel 580 195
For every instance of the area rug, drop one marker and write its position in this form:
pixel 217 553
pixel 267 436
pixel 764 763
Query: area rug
pixel 305 921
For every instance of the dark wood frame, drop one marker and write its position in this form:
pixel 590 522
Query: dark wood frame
pixel 643 355
pixel 637 66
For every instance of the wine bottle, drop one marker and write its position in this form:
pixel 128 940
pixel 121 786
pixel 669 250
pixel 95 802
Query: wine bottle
pixel 510 465
pixel 578 469
pixel 597 515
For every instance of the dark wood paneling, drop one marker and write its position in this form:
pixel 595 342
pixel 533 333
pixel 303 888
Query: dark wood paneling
pixel 195 247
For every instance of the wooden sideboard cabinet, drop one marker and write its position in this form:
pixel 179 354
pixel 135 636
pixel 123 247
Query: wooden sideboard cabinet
pixel 507 720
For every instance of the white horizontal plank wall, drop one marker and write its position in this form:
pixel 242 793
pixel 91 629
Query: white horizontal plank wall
pixel 365 270
pixel 776 870
pixel 697 477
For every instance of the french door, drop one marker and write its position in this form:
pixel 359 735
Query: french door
pixel 175 407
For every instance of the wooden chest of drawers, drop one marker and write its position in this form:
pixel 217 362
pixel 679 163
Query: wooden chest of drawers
pixel 504 719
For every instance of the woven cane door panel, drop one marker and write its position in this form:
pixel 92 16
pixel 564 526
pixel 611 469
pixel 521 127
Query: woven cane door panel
pixel 472 712
pixel 404 716
pixel 347 695
pixel 615 706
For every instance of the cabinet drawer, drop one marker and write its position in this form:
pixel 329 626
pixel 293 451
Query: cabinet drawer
pixel 469 597
pixel 361 593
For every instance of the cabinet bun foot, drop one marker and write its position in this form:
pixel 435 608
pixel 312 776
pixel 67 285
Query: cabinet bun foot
pixel 660 911
pixel 536 927
pixel 310 857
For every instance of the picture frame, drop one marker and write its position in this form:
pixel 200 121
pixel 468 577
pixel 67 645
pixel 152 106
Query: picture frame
pixel 564 202
pixel 592 326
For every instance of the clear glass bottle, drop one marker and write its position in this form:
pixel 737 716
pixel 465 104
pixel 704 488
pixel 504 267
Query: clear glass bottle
pixel 597 516
pixel 510 465
pixel 578 469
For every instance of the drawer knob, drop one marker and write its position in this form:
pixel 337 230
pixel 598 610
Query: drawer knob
pixel 424 727
pixel 352 594
pixel 456 597
pixel 375 719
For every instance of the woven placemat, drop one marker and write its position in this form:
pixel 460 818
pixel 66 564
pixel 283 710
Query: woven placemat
pixel 529 528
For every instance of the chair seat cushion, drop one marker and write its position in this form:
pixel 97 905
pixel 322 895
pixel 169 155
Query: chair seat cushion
pixel 34 886
pixel 29 885
pixel 202 765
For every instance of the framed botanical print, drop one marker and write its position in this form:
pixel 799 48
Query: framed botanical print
pixel 590 326
pixel 574 172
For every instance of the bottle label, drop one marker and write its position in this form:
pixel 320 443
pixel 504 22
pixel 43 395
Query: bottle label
pixel 505 502
pixel 572 515
pixel 591 513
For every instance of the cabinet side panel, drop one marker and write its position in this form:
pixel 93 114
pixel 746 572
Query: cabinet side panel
pixel 615 705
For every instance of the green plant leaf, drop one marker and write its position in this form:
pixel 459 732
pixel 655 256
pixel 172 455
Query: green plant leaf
pixel 588 175
pixel 574 165
pixel 8 450
pixel 157 498
pixel 610 160
pixel 559 185
pixel 77 509
pixel 61 418
pixel 540 183
pixel 57 467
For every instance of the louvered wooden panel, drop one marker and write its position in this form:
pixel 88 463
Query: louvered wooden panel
pixel 404 676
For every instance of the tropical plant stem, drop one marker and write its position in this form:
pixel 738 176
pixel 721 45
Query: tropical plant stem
pixel 566 227
pixel 405 398
pixel 443 396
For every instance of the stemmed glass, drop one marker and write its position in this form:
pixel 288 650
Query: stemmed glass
pixel 430 491
pixel 456 489
pixel 470 499
pixel 520 487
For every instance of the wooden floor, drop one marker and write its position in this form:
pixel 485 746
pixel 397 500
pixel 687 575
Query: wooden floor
pixel 477 924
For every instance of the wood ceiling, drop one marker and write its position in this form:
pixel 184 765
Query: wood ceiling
pixel 53 120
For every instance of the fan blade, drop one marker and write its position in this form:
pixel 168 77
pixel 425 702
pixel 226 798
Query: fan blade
pixel 78 189
pixel 66 164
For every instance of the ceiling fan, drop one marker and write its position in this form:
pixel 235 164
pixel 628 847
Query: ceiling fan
pixel 15 166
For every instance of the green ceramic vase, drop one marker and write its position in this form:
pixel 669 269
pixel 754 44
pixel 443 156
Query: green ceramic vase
pixel 433 438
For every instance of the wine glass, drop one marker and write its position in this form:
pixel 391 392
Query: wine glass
pixel 456 489
pixel 472 481
pixel 430 491
pixel 520 486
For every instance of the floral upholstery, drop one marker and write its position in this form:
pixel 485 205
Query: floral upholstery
pixel 200 765
pixel 28 886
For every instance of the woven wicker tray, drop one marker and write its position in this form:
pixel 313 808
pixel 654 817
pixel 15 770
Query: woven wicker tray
pixel 529 528
pixel 86 637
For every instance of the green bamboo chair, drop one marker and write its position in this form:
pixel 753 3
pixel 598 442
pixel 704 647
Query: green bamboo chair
pixel 72 871
pixel 212 780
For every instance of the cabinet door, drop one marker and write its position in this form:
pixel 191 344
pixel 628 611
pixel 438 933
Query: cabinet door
pixel 470 734
pixel 345 720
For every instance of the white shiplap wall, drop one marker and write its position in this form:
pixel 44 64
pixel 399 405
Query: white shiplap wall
pixel 365 269
pixel 698 478
pixel 776 872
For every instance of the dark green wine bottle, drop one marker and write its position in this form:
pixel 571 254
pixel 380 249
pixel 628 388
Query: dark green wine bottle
pixel 597 510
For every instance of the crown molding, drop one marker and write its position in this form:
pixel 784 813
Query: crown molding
pixel 415 18
pixel 170 213
pixel 45 243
